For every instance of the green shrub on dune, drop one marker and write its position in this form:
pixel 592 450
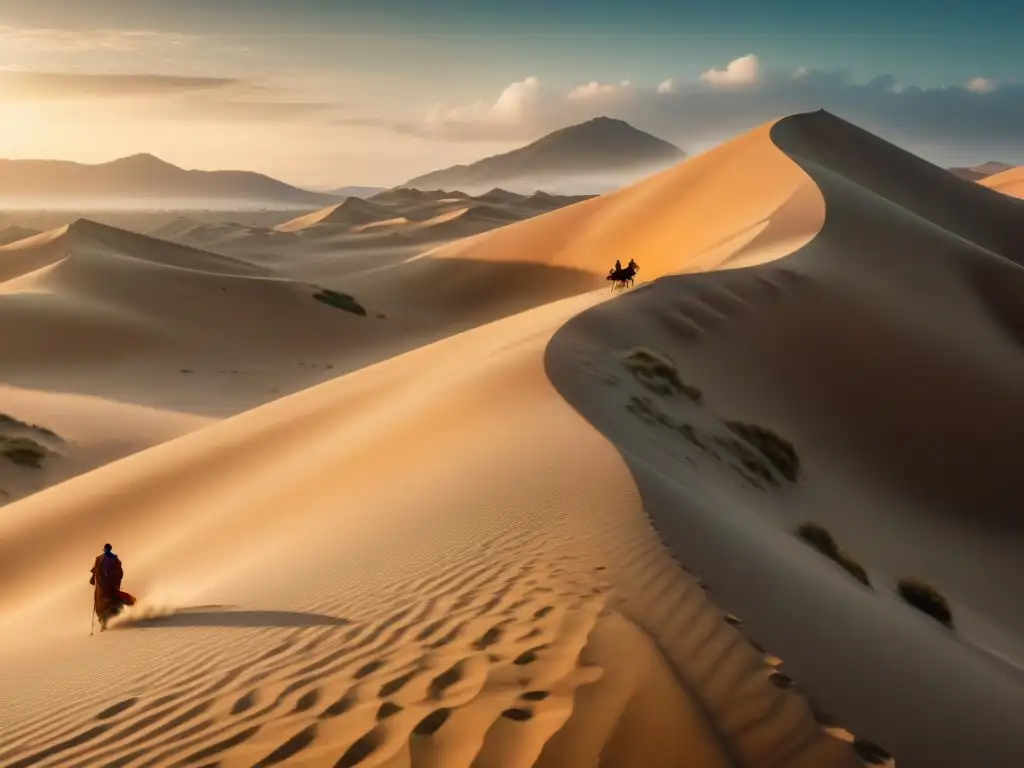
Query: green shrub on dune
pixel 780 452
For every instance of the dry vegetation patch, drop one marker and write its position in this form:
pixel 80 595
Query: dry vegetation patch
pixel 658 373
pixel 820 538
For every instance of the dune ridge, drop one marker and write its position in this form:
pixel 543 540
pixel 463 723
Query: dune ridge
pixel 827 346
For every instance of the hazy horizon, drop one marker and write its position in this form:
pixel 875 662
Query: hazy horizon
pixel 322 96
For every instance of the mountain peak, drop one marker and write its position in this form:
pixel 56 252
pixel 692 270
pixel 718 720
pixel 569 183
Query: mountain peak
pixel 595 148
pixel 142 160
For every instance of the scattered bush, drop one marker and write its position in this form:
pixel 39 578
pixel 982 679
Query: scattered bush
pixel 340 301
pixel 658 373
pixel 23 451
pixel 927 599
pixel 820 538
pixel 754 465
pixel 11 423
pixel 779 451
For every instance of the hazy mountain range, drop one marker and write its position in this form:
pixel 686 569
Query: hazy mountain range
pixel 142 176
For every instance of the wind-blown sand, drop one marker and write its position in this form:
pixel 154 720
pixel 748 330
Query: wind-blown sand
pixel 463 555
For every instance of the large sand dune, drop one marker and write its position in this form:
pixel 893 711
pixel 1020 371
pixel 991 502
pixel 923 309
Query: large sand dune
pixel 463 555
pixel 887 349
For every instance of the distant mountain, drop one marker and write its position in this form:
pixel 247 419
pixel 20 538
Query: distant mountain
pixel 357 191
pixel 142 176
pixel 978 172
pixel 593 155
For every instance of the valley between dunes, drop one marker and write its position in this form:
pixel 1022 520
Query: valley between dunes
pixel 475 525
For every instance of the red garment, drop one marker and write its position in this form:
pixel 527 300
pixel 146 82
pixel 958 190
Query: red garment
pixel 107 574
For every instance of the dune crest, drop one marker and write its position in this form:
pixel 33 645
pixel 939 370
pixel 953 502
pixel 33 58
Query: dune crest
pixel 870 350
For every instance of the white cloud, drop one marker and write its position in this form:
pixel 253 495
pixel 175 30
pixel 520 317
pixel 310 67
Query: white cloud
pixel 981 85
pixel 511 107
pixel 594 89
pixel 742 71
pixel 698 112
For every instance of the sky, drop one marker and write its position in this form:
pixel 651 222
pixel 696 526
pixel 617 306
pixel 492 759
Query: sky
pixel 327 93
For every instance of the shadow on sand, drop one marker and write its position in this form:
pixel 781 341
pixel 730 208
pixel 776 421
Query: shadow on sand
pixel 226 616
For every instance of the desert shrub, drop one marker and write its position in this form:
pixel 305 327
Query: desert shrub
pixel 754 465
pixel 820 538
pixel 927 599
pixel 779 451
pixel 648 410
pixel 692 434
pixel 340 301
pixel 658 373
pixel 22 451
pixel 11 423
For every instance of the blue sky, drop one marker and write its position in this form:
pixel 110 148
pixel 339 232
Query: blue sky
pixel 376 91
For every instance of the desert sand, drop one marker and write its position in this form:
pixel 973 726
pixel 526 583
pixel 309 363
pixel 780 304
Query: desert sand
pixel 1009 182
pixel 488 539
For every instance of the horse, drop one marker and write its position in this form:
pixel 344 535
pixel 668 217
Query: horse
pixel 621 278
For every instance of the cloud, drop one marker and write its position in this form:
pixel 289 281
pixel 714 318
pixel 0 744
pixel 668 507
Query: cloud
pixel 595 89
pixel 980 85
pixel 742 71
pixel 502 118
pixel 73 85
pixel 38 39
pixel 714 107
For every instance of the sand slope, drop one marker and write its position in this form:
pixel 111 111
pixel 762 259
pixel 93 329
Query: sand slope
pixel 1009 182
pixel 12 234
pixel 887 350
pixel 94 293
pixel 462 616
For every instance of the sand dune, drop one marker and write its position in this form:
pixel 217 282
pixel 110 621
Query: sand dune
pixel 471 553
pixel 352 212
pixel 872 349
pixel 1009 182
pixel 92 293
pixel 494 632
pixel 12 234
